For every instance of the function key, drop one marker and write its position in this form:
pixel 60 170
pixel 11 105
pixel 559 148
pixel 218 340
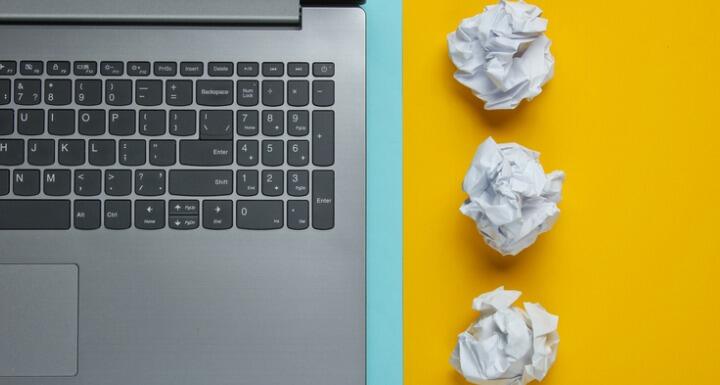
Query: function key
pixel 165 68
pixel 85 68
pixel 273 69
pixel 323 70
pixel 248 69
pixel 58 68
pixel 111 68
pixel 194 68
pixel 298 69
pixel 220 69
pixel 138 68
pixel 8 67
pixel 31 67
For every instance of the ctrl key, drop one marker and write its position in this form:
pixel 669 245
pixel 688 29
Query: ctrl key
pixel 117 214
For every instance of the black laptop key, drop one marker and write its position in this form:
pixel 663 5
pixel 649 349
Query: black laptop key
pixel 132 152
pixel 323 70
pixel 118 182
pixel 259 215
pixel 298 183
pixel 247 122
pixel 8 68
pixel 112 68
pixel 165 68
pixel 149 182
pixel 138 68
pixel 297 215
pixel 28 92
pixel 179 92
pixel 247 183
pixel 149 215
pixel 162 153
pixel 85 68
pixel 216 125
pixel 217 215
pixel 273 123
pixel 152 122
pixel 56 183
pixel 4 91
pixel 30 68
pixel 71 152
pixel 88 92
pixel 58 92
pixel 247 93
pixel 61 122
pixel 191 68
pixel 87 214
pixel 298 69
pixel 274 69
pixel 117 215
pixel 34 215
pixel 298 152
pixel 88 182
pixel 148 92
pixel 247 69
pixel 118 92
pixel 4 182
pixel 101 152
pixel 58 68
pixel 91 122
pixel 273 93
pixel 220 69
pixel 7 122
pixel 26 182
pixel 273 153
pixel 247 153
pixel 201 182
pixel 41 152
pixel 121 122
pixel 323 143
pixel 298 93
pixel 31 122
pixel 298 123
pixel 183 222
pixel 182 122
pixel 323 93
pixel 272 183
pixel 206 152
pixel 323 199
pixel 214 92
pixel 12 152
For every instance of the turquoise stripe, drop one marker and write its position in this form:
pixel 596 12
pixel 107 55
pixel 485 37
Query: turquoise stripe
pixel 384 168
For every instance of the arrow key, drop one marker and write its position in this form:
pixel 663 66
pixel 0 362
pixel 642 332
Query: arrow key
pixel 184 207
pixel 187 222
pixel 217 215
pixel 149 215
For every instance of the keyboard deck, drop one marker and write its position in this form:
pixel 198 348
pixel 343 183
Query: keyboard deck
pixel 182 145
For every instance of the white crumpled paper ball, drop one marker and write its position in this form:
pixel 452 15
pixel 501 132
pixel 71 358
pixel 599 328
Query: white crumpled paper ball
pixel 510 198
pixel 506 345
pixel 502 54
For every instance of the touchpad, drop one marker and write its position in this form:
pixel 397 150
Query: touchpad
pixel 38 320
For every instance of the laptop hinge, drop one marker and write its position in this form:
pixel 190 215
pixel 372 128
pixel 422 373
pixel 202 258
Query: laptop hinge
pixel 203 12
pixel 331 3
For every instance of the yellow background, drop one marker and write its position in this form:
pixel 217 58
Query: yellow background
pixel 632 265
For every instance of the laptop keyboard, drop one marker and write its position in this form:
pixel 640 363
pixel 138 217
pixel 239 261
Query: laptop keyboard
pixel 152 145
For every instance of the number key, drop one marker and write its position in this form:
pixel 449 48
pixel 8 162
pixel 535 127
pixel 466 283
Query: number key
pixel 272 153
pixel 88 92
pixel 118 92
pixel 298 152
pixel 27 92
pixel 58 92
pixel 272 183
pixel 247 152
pixel 247 182
pixel 273 123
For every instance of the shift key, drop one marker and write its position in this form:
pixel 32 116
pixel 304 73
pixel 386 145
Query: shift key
pixel 201 183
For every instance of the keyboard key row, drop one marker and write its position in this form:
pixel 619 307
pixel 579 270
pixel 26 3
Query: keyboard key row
pixel 177 93
pixel 193 183
pixel 214 124
pixel 162 153
pixel 154 215
pixel 117 68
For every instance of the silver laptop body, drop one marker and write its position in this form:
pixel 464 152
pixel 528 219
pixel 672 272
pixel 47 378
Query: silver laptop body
pixel 152 237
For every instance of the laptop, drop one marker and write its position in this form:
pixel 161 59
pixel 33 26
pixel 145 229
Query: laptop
pixel 182 192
